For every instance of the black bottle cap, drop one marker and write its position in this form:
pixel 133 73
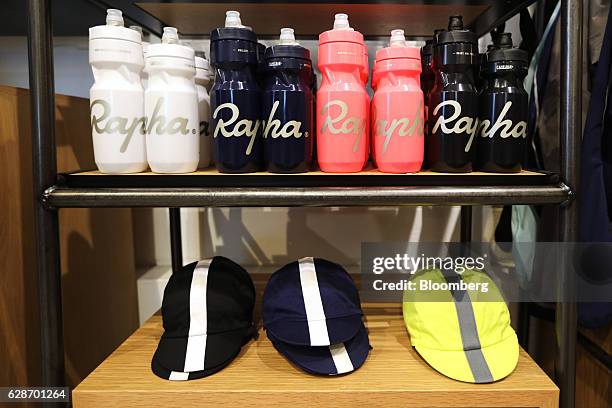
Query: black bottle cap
pixel 503 50
pixel 456 33
pixel 455 23
pixel 504 40
pixel 287 51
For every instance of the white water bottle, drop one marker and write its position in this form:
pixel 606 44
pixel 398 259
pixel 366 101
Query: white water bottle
pixel 117 97
pixel 171 106
pixel 202 79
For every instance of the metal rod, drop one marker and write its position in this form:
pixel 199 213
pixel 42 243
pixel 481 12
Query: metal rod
pixel 40 51
pixel 571 129
pixel 312 196
pixel 176 243
pixel 466 224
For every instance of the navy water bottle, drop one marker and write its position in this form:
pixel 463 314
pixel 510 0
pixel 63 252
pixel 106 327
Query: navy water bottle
pixel 235 98
pixel 287 106
pixel 453 100
pixel 502 138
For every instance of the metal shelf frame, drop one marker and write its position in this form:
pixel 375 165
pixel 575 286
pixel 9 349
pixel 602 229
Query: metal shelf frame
pixel 49 196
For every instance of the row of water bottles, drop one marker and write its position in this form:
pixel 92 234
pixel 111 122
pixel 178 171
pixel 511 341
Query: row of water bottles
pixel 262 111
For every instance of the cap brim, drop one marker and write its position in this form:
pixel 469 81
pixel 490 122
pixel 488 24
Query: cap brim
pixel 339 330
pixel 166 374
pixel 338 359
pixel 219 348
pixel 501 359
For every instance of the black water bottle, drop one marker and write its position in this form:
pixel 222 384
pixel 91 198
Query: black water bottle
pixel 287 105
pixel 453 100
pixel 502 137
pixel 235 98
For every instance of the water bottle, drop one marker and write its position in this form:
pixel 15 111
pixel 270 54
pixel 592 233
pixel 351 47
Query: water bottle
pixel 171 106
pixel 502 137
pixel 397 107
pixel 235 98
pixel 453 100
pixel 427 73
pixel 288 106
pixel 117 97
pixel 202 79
pixel 342 101
pixel 145 47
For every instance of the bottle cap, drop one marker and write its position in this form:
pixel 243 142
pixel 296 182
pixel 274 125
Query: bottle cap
pixel 341 22
pixel 114 29
pixel 287 37
pixel 170 47
pixel 455 23
pixel 504 40
pixel 114 17
pixel 232 19
pixel 342 32
pixel 397 38
pixel 456 33
pixel 170 36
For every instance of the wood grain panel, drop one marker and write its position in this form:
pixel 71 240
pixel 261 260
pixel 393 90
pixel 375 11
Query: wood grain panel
pixel 98 278
pixel 393 376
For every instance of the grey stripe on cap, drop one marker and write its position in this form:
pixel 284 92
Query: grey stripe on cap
pixel 469 331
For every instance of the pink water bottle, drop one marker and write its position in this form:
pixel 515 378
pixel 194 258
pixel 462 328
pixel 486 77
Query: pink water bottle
pixel 342 101
pixel 397 107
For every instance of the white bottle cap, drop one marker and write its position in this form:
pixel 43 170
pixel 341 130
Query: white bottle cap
pixel 287 37
pixel 397 38
pixel 114 17
pixel 232 19
pixel 170 36
pixel 114 29
pixel 341 22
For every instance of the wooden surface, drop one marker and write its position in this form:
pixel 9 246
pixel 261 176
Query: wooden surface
pixel 193 18
pixel 98 273
pixel 367 172
pixel 393 376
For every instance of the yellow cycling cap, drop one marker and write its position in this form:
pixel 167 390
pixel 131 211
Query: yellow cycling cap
pixel 460 325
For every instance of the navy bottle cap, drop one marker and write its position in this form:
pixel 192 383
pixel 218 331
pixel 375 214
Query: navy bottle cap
pixel 232 33
pixel 233 44
pixel 287 51
pixel 456 33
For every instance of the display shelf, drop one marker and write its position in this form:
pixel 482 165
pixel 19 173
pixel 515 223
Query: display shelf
pixel 309 18
pixel 367 178
pixel 393 376
pixel 370 188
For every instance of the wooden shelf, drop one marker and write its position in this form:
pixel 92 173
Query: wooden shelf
pixel 310 17
pixel 393 376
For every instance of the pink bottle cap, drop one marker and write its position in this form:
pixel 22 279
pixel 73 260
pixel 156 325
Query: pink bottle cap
pixel 398 52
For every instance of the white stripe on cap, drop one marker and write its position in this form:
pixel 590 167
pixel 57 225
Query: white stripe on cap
pixel 178 376
pixel 198 324
pixel 341 358
pixel 317 327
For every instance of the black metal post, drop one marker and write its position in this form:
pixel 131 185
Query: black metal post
pixel 466 224
pixel 40 49
pixel 176 243
pixel 571 131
